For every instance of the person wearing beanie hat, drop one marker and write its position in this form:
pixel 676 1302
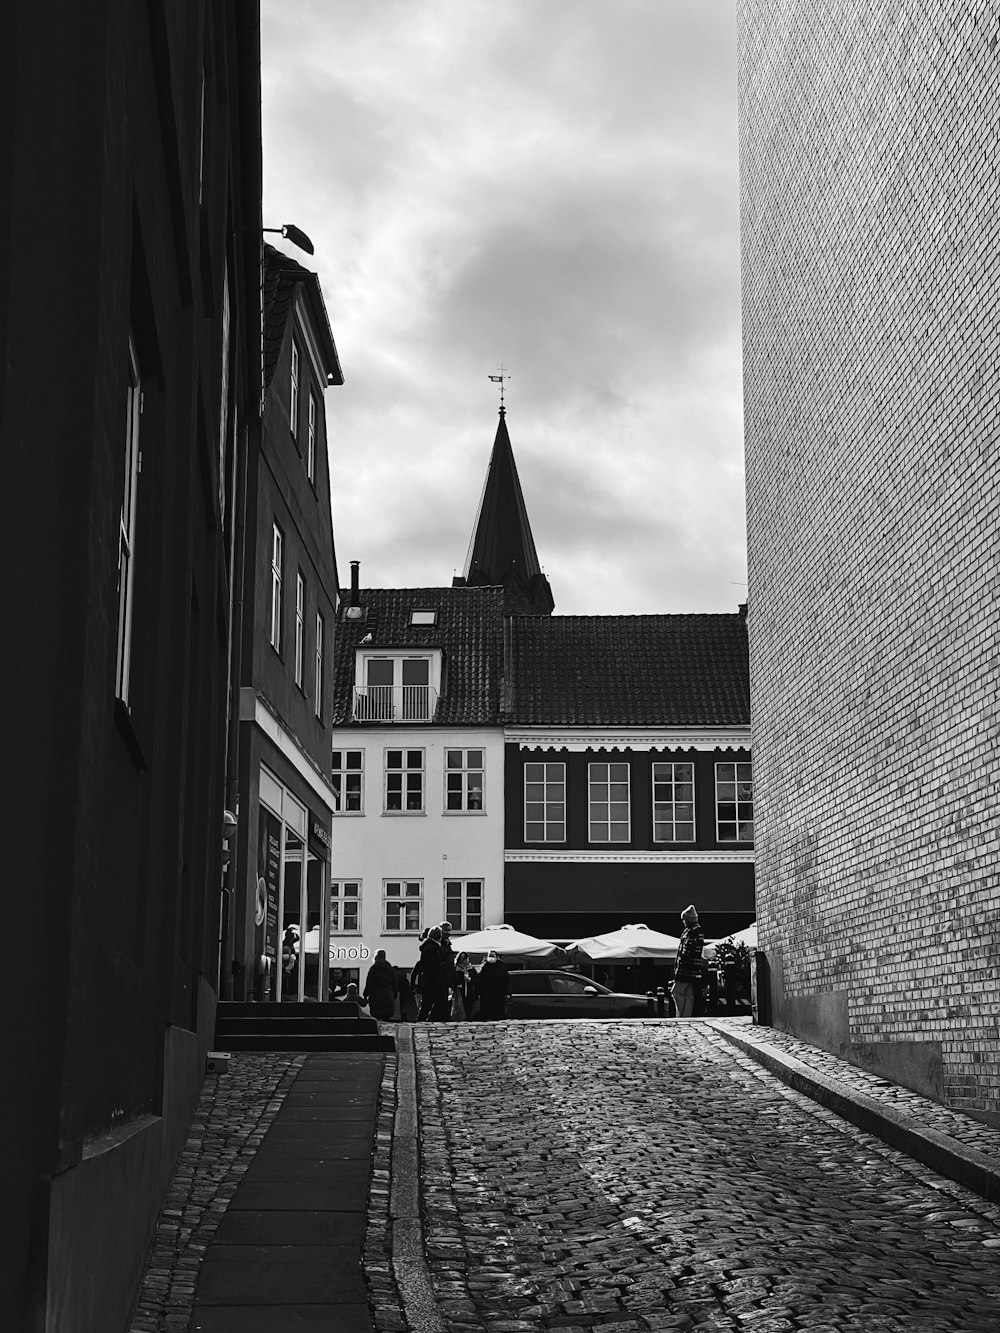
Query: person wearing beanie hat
pixel 688 968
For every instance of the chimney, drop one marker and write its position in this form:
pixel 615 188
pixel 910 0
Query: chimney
pixel 354 611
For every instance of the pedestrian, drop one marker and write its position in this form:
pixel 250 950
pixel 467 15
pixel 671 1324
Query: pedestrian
pixel 416 989
pixel 493 987
pixel 381 988
pixel 464 990
pixel 434 999
pixel 688 968
pixel 407 1004
pixel 351 995
pixel 289 962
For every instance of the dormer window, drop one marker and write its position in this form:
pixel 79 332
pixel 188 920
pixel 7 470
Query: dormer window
pixel 396 686
pixel 423 617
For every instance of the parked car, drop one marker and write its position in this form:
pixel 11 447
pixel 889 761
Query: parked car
pixel 537 993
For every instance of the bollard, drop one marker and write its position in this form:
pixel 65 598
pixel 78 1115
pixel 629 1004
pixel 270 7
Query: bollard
pixel 649 1003
pixel 661 1002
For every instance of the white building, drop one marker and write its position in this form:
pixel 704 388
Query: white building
pixel 418 769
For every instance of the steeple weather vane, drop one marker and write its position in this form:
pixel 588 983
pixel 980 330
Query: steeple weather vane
pixel 499 379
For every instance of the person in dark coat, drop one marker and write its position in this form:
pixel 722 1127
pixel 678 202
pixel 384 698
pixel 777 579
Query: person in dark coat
pixel 442 1009
pixel 433 983
pixel 689 968
pixel 493 987
pixel 381 988
pixel 416 987
pixel 464 988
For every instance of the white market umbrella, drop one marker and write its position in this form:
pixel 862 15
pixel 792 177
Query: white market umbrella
pixel 633 941
pixel 747 936
pixel 507 942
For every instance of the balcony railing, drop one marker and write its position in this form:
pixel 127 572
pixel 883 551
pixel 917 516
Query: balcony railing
pixel 394 703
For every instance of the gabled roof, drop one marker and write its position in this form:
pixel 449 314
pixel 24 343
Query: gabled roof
pixel 669 670
pixel 281 276
pixel 468 631
pixel 502 551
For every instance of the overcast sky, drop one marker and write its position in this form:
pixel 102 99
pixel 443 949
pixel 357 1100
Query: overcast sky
pixel 547 184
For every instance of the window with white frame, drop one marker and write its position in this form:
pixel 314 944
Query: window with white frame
pixel 126 526
pixel 318 683
pixel 349 781
pixel 463 779
pixel 311 440
pixel 293 394
pixel 463 903
pixel 673 802
pixel 402 901
pixel 300 627
pixel 544 802
pixel 277 558
pixel 610 815
pixel 734 801
pixel 345 906
pixel 404 781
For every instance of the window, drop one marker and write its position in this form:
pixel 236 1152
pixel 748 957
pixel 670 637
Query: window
pixel 418 617
pixel 463 780
pixel 300 626
pixel 463 903
pixel 277 545
pixel 318 685
pixel 349 781
pixel 311 441
pixel 395 689
pixel 734 801
pixel 545 802
pixel 293 397
pixel 126 527
pixel 404 781
pixel 402 903
pixel 609 803
pixel 345 906
pixel 673 802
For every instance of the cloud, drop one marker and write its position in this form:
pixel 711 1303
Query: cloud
pixel 552 185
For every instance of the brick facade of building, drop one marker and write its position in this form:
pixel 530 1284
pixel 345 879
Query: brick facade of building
pixel 871 235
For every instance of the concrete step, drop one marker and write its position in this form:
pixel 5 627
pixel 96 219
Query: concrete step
pixel 328 1009
pixel 277 1023
pixel 306 1041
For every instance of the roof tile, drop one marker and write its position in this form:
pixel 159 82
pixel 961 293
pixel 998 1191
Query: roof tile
pixel 469 632
pixel 667 670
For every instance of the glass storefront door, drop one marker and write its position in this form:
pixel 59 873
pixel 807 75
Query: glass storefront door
pixel 294 921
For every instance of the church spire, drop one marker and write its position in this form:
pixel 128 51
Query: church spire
pixel 502 550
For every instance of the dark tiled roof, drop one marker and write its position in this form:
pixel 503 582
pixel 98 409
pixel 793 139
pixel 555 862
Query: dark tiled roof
pixel 580 671
pixel 469 632
pixel 281 274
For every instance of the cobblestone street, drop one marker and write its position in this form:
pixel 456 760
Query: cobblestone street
pixel 650 1176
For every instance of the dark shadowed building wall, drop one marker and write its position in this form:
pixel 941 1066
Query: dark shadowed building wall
pixel 129 368
pixel 871 262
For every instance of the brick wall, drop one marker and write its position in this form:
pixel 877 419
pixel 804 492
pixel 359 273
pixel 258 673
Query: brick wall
pixel 871 266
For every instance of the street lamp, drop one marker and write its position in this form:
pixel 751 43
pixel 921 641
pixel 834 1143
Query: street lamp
pixel 294 234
